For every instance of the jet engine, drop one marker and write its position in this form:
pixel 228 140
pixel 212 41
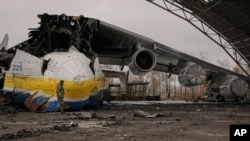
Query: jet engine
pixel 143 61
pixel 234 87
pixel 193 75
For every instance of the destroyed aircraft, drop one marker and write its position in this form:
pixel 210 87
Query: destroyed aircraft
pixel 70 48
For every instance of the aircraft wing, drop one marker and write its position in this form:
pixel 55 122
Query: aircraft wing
pixel 118 46
pixel 113 74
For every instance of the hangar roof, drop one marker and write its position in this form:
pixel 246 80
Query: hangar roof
pixel 230 19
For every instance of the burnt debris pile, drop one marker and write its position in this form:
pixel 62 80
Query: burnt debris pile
pixel 59 32
pixel 56 33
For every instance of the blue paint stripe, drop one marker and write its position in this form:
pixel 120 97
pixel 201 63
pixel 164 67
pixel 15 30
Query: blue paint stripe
pixel 20 98
pixel 55 105
pixel 74 106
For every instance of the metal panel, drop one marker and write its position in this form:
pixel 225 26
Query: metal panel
pixel 26 64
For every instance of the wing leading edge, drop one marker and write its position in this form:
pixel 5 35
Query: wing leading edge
pixel 118 46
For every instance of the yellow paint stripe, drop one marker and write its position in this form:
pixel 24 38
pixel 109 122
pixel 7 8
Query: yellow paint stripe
pixel 80 89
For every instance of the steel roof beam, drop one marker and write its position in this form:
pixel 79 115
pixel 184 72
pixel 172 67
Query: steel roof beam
pixel 180 11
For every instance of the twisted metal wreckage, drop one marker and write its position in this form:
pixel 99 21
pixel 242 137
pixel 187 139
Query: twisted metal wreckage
pixel 53 52
pixel 70 48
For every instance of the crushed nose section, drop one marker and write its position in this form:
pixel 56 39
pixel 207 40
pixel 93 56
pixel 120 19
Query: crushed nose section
pixel 25 64
pixel 71 65
pixel 39 101
pixel 35 101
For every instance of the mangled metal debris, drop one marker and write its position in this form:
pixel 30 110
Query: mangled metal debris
pixel 85 115
pixel 73 124
pixel 140 113
pixel 114 123
pixel 59 49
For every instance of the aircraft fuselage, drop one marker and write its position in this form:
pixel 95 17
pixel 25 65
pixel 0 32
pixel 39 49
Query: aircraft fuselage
pixel 37 88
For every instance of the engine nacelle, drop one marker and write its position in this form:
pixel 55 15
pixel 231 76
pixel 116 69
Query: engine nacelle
pixel 143 61
pixel 193 75
pixel 234 87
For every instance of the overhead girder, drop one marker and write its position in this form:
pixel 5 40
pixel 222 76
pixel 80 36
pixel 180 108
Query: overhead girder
pixel 176 8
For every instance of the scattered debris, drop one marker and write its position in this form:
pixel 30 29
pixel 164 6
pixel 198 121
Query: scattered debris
pixel 55 126
pixel 178 118
pixel 12 110
pixel 108 123
pixel 169 115
pixel 113 123
pixel 73 124
pixel 157 108
pixel 164 122
pixel 198 110
pixel 93 115
pixel 4 127
pixel 109 117
pixel 231 112
pixel 128 137
pixel 205 106
pixel 122 123
pixel 140 113
pixel 24 133
pixel 85 115
pixel 62 128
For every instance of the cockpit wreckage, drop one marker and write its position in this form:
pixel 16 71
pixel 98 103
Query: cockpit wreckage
pixel 70 49
pixel 60 49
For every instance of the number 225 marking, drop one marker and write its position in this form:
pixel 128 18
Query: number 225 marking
pixel 17 67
